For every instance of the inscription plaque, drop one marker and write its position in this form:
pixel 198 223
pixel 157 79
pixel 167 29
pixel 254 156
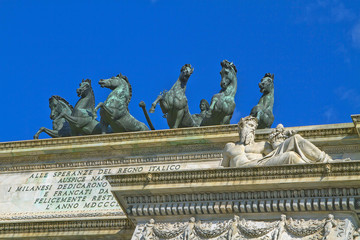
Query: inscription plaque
pixel 68 193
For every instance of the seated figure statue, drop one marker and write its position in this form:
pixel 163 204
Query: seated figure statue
pixel 204 108
pixel 283 147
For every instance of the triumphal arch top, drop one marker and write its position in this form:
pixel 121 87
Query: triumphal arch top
pixel 174 184
pixel 203 178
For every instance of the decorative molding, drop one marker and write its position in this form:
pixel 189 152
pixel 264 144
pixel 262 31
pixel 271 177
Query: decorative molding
pixel 231 174
pixel 64 226
pixel 114 162
pixel 189 134
pixel 240 228
pixel 185 133
pixel 55 215
pixel 310 200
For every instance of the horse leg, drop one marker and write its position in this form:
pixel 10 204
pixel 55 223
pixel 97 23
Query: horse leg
pixel 153 105
pixel 179 118
pixel 226 120
pixel 36 136
pixel 104 126
pixel 51 133
pixel 96 109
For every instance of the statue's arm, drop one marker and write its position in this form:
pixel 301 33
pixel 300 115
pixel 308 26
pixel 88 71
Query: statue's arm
pixel 267 148
pixel 226 156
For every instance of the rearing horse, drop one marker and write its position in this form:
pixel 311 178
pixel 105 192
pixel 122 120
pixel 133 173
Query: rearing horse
pixel 174 103
pixel 223 103
pixel 114 111
pixel 263 111
pixel 82 121
pixel 61 127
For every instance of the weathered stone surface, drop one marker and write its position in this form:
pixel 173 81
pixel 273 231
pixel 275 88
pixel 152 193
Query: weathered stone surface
pixel 158 163
pixel 283 147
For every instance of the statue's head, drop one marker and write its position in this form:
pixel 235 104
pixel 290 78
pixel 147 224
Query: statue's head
pixel 204 105
pixel 84 88
pixel 247 127
pixel 186 72
pixel 113 82
pixel 266 84
pixel 228 73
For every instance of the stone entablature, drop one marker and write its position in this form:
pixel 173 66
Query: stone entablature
pixel 309 192
pixel 32 171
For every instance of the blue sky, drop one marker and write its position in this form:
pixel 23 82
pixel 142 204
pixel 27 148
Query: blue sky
pixel 48 47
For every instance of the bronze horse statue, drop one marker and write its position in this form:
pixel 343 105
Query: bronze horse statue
pixel 114 111
pixel 61 127
pixel 174 103
pixel 263 111
pixel 222 104
pixel 82 120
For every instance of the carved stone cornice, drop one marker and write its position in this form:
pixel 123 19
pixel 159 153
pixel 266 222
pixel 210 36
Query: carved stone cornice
pixel 57 215
pixel 56 228
pixel 118 161
pixel 295 172
pixel 269 189
pixel 222 133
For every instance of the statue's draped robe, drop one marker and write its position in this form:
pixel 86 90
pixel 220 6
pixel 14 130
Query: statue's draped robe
pixel 294 150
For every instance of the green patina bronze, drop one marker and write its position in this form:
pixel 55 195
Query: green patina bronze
pixel 114 111
pixel 61 127
pixel 82 120
pixel 263 111
pixel 174 103
pixel 223 103
pixel 198 117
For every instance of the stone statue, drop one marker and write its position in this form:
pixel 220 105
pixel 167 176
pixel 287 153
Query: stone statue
pixel 114 111
pixel 280 230
pixel 82 120
pixel 283 147
pixel 149 230
pixel 61 127
pixel 198 117
pixel 189 231
pixel 174 103
pixel 223 103
pixel 356 234
pixel 328 228
pixel 263 111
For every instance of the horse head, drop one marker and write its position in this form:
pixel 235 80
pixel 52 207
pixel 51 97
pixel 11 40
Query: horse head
pixel 228 74
pixel 58 105
pixel 266 84
pixel 85 88
pixel 113 82
pixel 186 72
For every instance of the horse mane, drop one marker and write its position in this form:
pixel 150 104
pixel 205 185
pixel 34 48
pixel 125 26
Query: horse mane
pixel 269 75
pixel 230 65
pixel 128 83
pixel 62 100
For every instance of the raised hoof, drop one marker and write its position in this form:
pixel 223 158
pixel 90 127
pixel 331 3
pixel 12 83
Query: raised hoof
pixel 152 110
